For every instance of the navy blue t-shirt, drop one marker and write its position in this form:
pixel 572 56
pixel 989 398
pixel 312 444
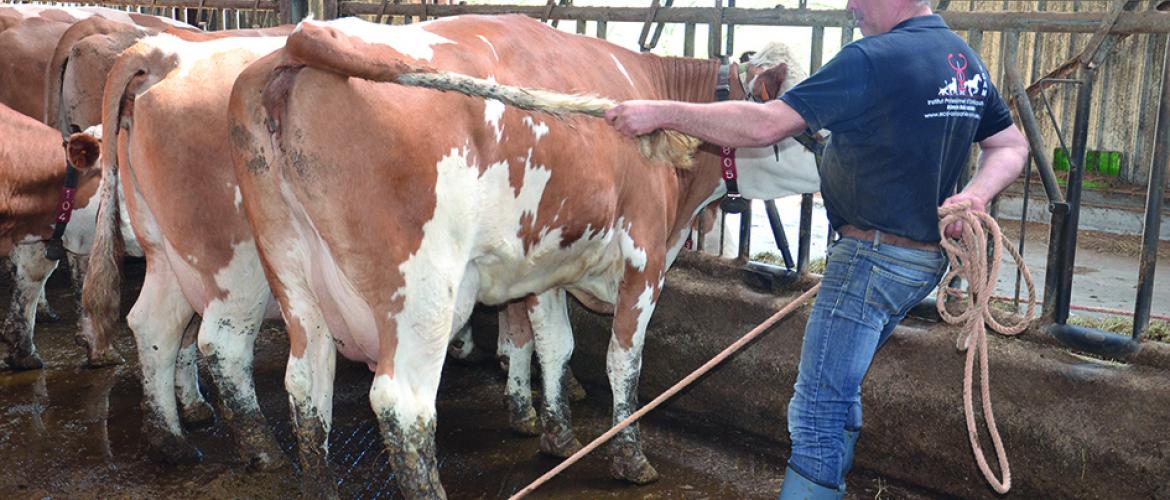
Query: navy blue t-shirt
pixel 903 108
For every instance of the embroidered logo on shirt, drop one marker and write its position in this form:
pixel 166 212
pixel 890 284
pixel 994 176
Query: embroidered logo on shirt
pixel 959 84
pixel 959 96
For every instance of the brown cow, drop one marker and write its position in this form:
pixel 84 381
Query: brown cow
pixel 164 104
pixel 382 213
pixel 73 91
pixel 30 34
pixel 32 171
pixel 30 39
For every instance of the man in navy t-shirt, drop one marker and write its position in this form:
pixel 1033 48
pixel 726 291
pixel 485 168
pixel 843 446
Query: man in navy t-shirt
pixel 903 105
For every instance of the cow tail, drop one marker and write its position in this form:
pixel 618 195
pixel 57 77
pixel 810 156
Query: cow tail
pixel 325 48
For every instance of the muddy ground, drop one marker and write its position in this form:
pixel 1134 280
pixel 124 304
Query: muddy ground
pixel 71 432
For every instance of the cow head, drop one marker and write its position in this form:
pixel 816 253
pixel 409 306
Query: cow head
pixel 786 168
pixel 772 71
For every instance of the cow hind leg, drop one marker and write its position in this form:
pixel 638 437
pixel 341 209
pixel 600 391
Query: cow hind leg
pixel 405 407
pixel 30 270
pixel 158 319
pixel 45 311
pixel 624 365
pixel 554 346
pixel 573 388
pixel 226 339
pixel 309 381
pixel 194 411
pixel 515 348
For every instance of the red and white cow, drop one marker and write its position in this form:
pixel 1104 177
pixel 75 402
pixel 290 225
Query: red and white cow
pixel 32 171
pixel 379 233
pixel 165 116
pixel 30 36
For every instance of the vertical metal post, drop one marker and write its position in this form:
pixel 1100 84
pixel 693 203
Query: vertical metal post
pixel 581 24
pixel 1073 45
pixel 745 234
pixel 817 54
pixel 1143 143
pixel 1153 225
pixel 689 40
pixel 805 236
pixel 730 34
pixel 715 32
pixel 601 28
pixel 1076 172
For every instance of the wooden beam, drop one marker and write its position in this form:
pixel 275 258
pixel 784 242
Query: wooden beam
pixel 207 4
pixel 1093 55
pixel 1049 22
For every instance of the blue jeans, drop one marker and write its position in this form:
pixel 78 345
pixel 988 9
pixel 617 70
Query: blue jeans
pixel 867 289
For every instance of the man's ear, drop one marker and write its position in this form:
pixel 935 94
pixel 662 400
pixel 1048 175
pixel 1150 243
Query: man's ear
pixel 769 83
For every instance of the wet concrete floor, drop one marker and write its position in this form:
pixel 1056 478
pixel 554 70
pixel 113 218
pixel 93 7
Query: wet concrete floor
pixel 72 432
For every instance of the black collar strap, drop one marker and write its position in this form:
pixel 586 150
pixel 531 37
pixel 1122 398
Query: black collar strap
pixel 55 247
pixel 733 203
pixel 723 82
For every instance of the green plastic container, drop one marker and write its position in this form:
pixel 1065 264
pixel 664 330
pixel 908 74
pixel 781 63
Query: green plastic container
pixel 1106 163
pixel 1109 163
pixel 1059 160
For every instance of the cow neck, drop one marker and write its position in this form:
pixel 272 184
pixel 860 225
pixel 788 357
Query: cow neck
pixel 685 79
pixel 690 80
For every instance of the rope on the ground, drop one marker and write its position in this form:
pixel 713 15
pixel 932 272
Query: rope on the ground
pixel 682 384
pixel 969 259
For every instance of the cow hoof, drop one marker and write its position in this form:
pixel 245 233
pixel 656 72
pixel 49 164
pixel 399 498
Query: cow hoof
pixel 261 452
pixel 573 389
pixel 47 315
pixel 28 362
pixel 175 450
pixel 526 425
pixel 265 460
pixel 563 445
pixel 109 357
pixel 197 416
pixel 636 470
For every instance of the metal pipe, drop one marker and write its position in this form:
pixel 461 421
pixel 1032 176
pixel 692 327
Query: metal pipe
pixel 1153 225
pixel 778 232
pixel 1096 341
pixel 1032 131
pixel 745 234
pixel 1076 173
pixel 805 237
pixel 1052 278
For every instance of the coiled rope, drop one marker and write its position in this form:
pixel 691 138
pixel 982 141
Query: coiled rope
pixel 970 260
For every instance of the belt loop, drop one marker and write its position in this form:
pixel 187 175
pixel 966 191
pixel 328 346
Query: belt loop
pixel 877 239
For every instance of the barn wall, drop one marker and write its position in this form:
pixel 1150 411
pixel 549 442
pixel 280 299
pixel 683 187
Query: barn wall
pixel 1126 91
